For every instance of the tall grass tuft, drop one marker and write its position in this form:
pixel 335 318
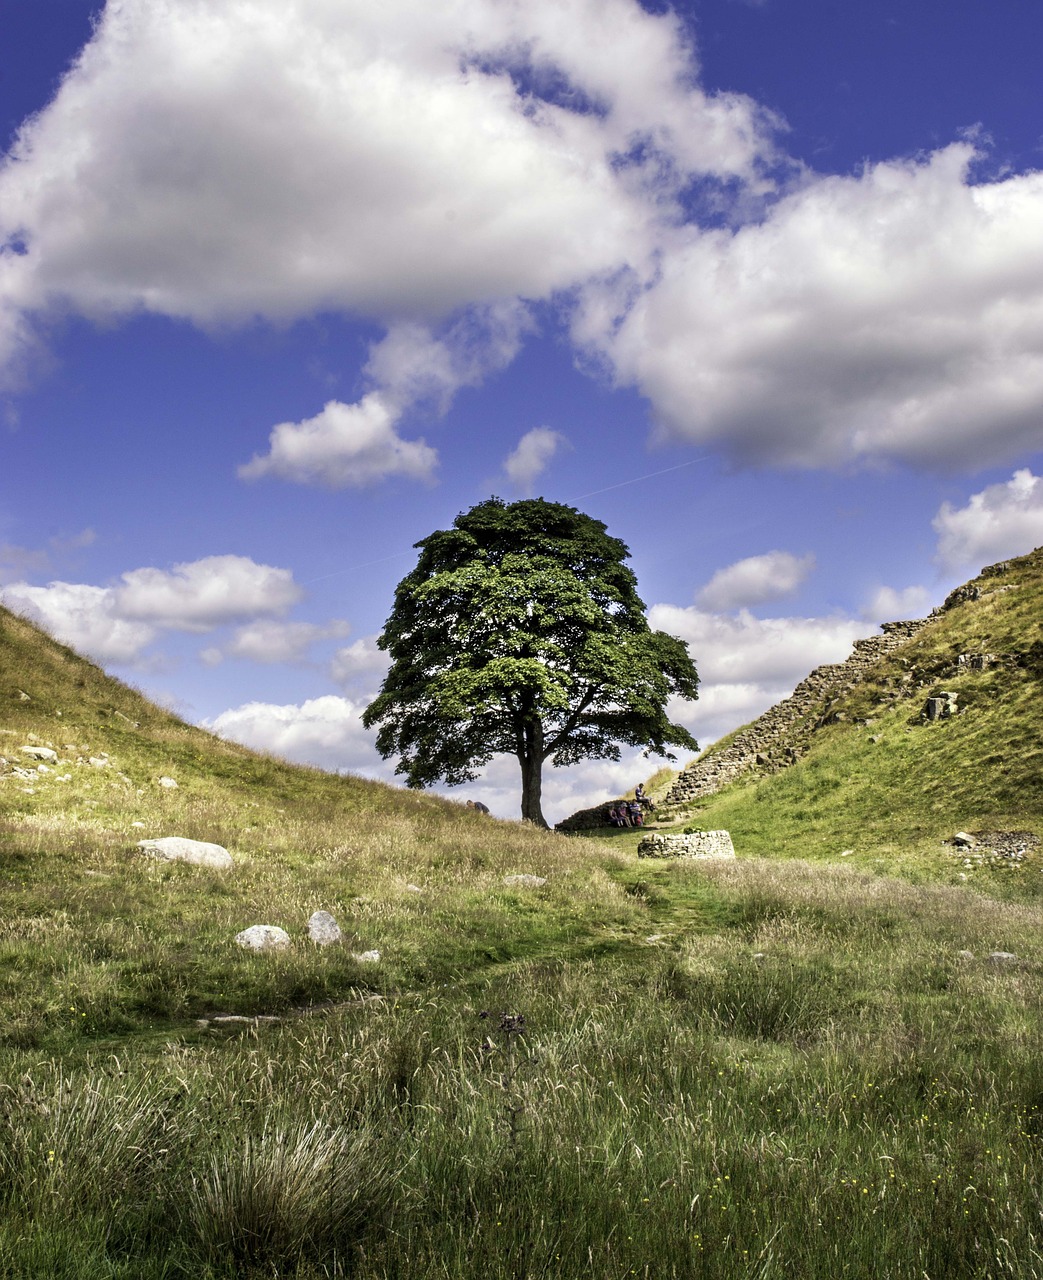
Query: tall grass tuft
pixel 289 1192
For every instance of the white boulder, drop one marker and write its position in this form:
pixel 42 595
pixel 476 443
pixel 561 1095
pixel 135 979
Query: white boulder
pixel 263 937
pixel 366 957
pixel 323 929
pixel 39 753
pixel 179 849
pixel 169 783
pixel 525 881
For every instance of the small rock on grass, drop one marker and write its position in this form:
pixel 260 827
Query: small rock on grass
pixel 525 881
pixel 323 929
pixel 263 937
pixel 180 849
pixel 998 959
pixel 366 957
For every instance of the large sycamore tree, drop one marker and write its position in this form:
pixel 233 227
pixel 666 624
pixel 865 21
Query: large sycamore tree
pixel 520 631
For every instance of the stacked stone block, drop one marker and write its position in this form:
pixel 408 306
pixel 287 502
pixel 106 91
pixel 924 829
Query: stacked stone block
pixel 779 737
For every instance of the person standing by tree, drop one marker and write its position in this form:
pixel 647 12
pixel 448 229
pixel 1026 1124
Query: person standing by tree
pixel 520 631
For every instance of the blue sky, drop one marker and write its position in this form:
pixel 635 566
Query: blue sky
pixel 285 287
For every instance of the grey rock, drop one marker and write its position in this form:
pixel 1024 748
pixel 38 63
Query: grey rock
pixel 965 956
pixel 963 840
pixel 323 929
pixel 941 707
pixel 999 959
pixel 39 753
pixel 263 937
pixel 179 849
pixel 525 881
pixel 98 762
pixel 169 783
pixel 239 1019
pixel 366 957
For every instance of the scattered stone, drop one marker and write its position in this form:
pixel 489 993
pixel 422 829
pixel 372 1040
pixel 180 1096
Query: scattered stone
pixel 963 840
pixel 29 791
pixel 23 696
pixel 39 753
pixel 137 824
pixel 263 937
pixel 323 929
pixel 179 849
pixel 240 1019
pixel 759 956
pixel 169 783
pixel 414 888
pixel 655 937
pixel 977 661
pixel 98 762
pixel 965 956
pixel 875 737
pixel 43 768
pixel 941 707
pixel 525 881
pixel 694 844
pixel 846 853
pixel 998 959
pixel 366 957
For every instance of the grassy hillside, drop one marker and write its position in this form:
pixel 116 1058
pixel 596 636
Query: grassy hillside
pixel 93 927
pixel 891 788
pixel 768 1068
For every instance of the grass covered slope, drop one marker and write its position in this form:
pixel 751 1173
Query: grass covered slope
pixel 880 779
pixel 766 1068
pixel 97 940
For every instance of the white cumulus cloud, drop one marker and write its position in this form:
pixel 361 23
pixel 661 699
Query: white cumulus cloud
pixel 84 617
pixel 207 593
pixel 346 445
pixel 1002 520
pixel 755 580
pixel 896 313
pixel 530 456
pixel 268 640
pixel 359 664
pixel 326 732
pixel 888 604
pixel 217 163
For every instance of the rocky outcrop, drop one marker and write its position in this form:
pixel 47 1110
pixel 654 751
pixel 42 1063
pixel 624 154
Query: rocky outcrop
pixel 781 735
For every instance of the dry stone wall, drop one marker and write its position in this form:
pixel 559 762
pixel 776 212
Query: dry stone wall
pixel 780 736
pixel 692 844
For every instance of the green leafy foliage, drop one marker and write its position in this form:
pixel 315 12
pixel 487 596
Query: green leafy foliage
pixel 520 631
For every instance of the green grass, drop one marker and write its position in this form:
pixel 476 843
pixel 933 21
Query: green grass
pixel 815 1083
pixel 782 1066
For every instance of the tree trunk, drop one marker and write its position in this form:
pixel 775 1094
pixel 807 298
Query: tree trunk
pixel 531 761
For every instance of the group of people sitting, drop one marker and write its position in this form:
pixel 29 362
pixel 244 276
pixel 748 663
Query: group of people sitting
pixel 630 813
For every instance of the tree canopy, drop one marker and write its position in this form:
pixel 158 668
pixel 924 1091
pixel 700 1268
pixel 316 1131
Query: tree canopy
pixel 520 631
